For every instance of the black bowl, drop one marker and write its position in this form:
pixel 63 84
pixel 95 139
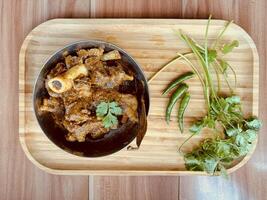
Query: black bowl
pixel 115 139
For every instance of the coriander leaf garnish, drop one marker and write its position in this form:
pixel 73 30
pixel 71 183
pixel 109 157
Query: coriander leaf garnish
pixel 254 124
pixel 108 112
pixel 197 127
pixel 233 100
pixel 232 131
pixel 110 120
pixel 114 108
pixel 102 109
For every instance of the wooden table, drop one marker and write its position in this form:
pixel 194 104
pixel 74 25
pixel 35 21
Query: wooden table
pixel 20 179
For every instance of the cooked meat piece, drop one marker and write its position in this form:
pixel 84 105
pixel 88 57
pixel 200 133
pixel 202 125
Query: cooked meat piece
pixel 98 52
pixel 79 132
pixel 69 97
pixel 58 69
pixel 112 55
pixel 77 112
pixel 83 53
pixel 80 91
pixel 53 105
pixel 70 137
pixel 117 75
pixel 93 63
pixel 109 77
pixel 129 105
pixel 98 131
pixel 104 95
pixel 94 52
pixel 83 87
pixel 70 126
pixel 72 61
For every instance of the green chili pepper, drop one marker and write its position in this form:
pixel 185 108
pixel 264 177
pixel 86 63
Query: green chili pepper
pixel 174 98
pixel 183 104
pixel 179 80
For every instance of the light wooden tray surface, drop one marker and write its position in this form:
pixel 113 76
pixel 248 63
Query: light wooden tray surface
pixel 152 43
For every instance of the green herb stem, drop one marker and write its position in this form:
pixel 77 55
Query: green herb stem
pixel 206 92
pixel 167 65
pixel 187 139
pixel 221 34
pixel 218 79
pixel 225 78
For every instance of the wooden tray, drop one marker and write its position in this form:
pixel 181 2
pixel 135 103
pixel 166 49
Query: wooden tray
pixel 152 43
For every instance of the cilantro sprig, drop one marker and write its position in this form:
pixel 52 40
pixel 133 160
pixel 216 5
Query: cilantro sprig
pixel 223 113
pixel 218 153
pixel 108 112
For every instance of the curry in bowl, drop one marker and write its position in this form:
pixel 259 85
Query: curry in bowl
pixel 94 97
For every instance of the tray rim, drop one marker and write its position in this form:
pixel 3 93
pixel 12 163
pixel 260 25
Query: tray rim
pixel 22 64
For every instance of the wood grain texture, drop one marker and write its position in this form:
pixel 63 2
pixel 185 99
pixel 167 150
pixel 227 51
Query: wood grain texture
pixel 19 179
pixel 152 43
pixel 135 8
pixel 128 188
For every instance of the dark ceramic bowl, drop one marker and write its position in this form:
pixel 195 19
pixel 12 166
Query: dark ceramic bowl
pixel 115 139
